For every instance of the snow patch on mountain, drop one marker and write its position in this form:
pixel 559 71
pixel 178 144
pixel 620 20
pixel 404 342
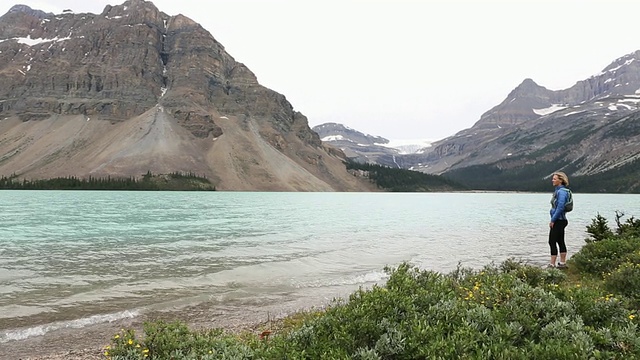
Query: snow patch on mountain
pixel 335 138
pixel 551 109
pixel 408 146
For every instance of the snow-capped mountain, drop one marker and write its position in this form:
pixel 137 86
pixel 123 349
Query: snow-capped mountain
pixel 363 147
pixel 133 90
pixel 590 130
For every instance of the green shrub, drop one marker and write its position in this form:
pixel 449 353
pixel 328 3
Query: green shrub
pixel 630 228
pixel 598 309
pixel 601 257
pixel 625 279
pixel 533 275
pixel 599 229
pixel 490 311
pixel 176 341
pixel 124 346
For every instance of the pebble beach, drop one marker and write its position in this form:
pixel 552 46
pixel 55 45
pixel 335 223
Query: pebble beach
pixel 88 343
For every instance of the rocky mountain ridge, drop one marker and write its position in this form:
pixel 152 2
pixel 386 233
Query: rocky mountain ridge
pixel 366 148
pixel 585 130
pixel 590 130
pixel 132 90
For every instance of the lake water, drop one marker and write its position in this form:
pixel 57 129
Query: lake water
pixel 77 258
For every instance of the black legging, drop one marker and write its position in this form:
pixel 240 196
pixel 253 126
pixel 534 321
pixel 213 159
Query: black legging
pixel 556 236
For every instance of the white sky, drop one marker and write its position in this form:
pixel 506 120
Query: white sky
pixel 405 69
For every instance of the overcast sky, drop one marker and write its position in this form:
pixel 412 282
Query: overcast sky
pixel 405 69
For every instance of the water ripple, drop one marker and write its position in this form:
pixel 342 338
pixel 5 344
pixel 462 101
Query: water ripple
pixel 68 255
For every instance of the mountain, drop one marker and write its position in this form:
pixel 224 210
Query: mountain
pixel 590 130
pixel 367 148
pixel 132 90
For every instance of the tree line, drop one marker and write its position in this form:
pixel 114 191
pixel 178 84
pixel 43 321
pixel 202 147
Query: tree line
pixel 149 181
pixel 402 180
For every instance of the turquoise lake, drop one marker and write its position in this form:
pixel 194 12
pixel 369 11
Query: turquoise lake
pixel 76 258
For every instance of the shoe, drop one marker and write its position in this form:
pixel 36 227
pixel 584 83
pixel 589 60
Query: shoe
pixel 549 266
pixel 562 265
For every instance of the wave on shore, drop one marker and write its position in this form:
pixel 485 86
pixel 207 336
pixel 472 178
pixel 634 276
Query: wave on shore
pixel 21 334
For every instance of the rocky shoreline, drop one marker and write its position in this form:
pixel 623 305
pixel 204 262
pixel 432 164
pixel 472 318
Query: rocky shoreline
pixel 88 343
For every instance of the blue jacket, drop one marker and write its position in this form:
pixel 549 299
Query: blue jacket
pixel 558 201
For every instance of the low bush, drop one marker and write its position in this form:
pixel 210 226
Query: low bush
pixel 631 226
pixel 625 279
pixel 602 257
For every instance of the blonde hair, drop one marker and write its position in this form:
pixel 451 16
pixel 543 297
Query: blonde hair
pixel 564 179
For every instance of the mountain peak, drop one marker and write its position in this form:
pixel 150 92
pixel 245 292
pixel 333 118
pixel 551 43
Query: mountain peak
pixel 624 60
pixel 137 4
pixel 528 81
pixel 148 92
pixel 20 8
pixel 528 84
pixel 335 130
pixel 141 9
pixel 620 78
pixel 517 107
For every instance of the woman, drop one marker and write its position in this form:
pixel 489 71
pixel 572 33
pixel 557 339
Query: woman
pixel 558 219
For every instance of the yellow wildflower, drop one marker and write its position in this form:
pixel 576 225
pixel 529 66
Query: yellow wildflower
pixel 117 336
pixel 631 317
pixel 137 345
pixel 130 342
pixel 145 351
